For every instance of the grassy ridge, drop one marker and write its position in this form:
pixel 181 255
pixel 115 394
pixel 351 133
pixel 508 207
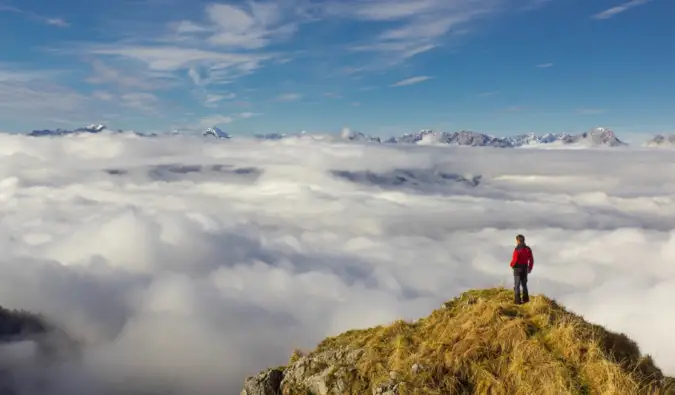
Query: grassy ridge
pixel 481 343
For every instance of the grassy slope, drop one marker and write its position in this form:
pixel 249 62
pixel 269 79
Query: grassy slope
pixel 481 343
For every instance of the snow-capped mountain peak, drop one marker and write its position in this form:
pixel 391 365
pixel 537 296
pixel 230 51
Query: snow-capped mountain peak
pixel 349 134
pixel 601 136
pixel 96 128
pixel 216 132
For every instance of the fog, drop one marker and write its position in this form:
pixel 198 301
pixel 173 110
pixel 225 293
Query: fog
pixel 185 264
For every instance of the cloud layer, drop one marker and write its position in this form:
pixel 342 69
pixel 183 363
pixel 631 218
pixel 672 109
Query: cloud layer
pixel 190 263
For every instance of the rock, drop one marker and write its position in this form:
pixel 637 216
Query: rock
pixel 324 373
pixel 388 388
pixel 265 383
pixel 416 368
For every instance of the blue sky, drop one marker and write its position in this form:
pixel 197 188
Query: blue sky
pixel 378 66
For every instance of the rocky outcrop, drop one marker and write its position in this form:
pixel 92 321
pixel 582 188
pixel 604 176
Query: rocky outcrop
pixel 332 372
pixel 264 383
pixel 326 373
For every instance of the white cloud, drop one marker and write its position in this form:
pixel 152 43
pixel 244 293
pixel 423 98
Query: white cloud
pixel 32 93
pixel 246 115
pixel 249 30
pixel 619 9
pixel 252 26
pixel 412 80
pixel 174 58
pixel 188 27
pixel 418 26
pixel 212 100
pixel 195 277
pixel 289 97
pixel 57 22
pixel 591 111
pixel 545 65
pixel 127 78
pixel 214 120
pixel 203 67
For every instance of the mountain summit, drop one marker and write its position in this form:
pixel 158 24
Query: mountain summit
pixel 478 343
pixel 216 132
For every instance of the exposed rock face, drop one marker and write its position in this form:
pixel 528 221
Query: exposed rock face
pixel 325 373
pixel 265 383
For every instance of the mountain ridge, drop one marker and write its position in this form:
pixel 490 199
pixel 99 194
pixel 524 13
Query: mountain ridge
pixel 596 137
pixel 477 343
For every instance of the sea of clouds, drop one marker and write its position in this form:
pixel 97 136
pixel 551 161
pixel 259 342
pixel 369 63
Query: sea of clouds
pixel 187 263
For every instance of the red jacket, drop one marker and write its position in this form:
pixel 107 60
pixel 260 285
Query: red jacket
pixel 522 255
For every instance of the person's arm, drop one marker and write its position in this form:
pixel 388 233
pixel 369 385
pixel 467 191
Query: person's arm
pixel 514 258
pixel 531 263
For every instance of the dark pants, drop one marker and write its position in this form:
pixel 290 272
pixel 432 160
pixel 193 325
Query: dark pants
pixel 520 280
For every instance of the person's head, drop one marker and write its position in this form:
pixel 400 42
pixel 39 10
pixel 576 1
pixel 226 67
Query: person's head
pixel 520 239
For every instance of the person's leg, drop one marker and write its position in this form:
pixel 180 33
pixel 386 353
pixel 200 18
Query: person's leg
pixel 516 286
pixel 523 282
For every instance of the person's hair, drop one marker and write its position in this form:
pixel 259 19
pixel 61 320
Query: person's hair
pixel 521 239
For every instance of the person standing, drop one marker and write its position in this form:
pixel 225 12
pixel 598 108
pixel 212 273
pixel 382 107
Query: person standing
pixel 522 263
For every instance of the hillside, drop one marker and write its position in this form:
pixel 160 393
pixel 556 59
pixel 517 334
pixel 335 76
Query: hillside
pixel 478 343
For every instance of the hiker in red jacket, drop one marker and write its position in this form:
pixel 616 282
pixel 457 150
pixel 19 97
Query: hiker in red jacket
pixel 522 264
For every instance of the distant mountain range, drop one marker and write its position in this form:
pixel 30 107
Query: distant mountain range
pixel 596 137
pixel 661 140
pixel 87 129
pixel 60 132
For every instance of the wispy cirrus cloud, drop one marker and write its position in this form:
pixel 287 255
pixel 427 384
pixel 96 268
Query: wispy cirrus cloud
pixel 58 22
pixel 247 115
pixel 220 120
pixel 212 100
pixel 286 97
pixel 333 95
pixel 608 13
pixel 414 27
pixel 143 102
pixel 214 120
pixel 27 92
pixel 411 81
pixel 40 95
pixel 104 74
pixel 226 43
pixel 254 25
pixel 545 65
pixel 591 111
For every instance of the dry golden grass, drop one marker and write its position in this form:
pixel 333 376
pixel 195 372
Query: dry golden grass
pixel 481 343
